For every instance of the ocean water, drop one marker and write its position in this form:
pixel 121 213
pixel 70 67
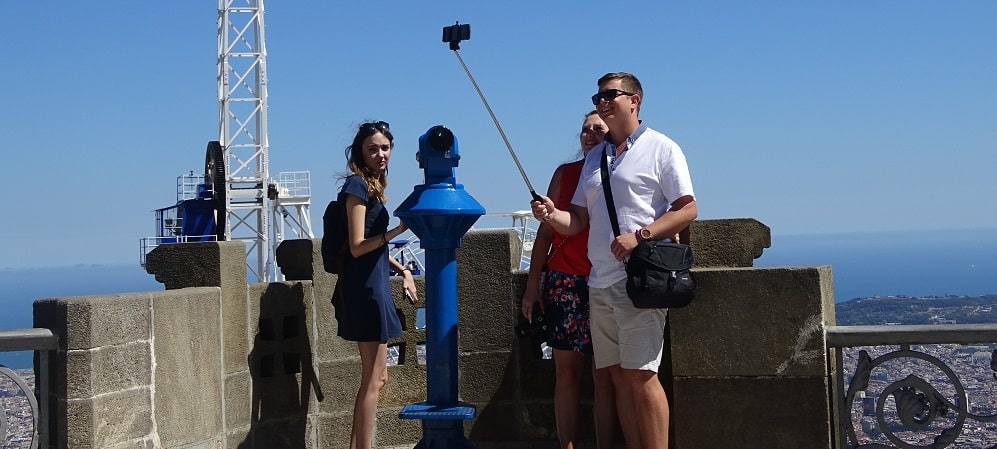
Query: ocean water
pixel 864 264
pixel 21 287
pixel 962 263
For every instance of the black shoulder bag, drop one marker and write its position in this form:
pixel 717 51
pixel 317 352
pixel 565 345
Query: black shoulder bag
pixel 658 272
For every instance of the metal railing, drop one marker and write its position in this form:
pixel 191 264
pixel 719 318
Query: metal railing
pixel 35 339
pixel 907 397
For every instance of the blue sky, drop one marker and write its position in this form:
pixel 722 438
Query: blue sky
pixel 813 117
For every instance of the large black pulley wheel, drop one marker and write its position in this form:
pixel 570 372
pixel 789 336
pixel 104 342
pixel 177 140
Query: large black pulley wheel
pixel 214 175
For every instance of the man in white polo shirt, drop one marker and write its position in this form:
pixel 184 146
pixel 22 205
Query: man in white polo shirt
pixel 653 195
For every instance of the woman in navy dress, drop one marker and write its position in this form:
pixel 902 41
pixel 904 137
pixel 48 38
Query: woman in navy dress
pixel 365 310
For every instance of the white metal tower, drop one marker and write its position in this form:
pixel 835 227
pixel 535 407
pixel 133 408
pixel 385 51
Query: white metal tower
pixel 249 194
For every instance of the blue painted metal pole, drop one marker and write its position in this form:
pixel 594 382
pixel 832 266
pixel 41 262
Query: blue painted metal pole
pixel 441 327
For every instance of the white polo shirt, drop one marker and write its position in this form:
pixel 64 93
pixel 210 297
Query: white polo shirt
pixel 645 179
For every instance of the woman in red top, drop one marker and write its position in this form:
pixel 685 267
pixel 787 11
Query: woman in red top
pixel 565 304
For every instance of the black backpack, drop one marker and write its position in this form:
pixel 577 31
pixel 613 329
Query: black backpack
pixel 334 236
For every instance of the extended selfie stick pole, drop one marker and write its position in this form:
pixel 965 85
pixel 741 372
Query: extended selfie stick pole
pixel 453 35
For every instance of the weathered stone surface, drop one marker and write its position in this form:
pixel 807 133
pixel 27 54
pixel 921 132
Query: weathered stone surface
pixel 333 430
pixel 109 419
pixel 763 413
pixel 249 351
pixel 393 431
pixel 340 382
pixel 484 284
pixel 108 369
pixel 201 264
pixel 86 322
pixel 753 322
pixel 486 376
pixel 238 400
pixel 733 242
pixel 188 368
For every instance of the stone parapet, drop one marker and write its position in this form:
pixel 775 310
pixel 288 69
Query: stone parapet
pixel 215 362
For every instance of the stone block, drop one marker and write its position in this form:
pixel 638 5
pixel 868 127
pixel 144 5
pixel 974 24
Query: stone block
pixel 107 369
pixel 754 322
pixel 333 430
pixel 733 242
pixel 763 413
pixel 188 366
pixel 484 287
pixel 488 376
pixel 238 438
pixel 86 322
pixel 108 419
pixel 238 400
pixel 201 264
pixel 393 431
pixel 340 382
pixel 406 384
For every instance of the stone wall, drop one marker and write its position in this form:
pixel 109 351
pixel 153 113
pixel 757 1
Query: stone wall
pixel 214 362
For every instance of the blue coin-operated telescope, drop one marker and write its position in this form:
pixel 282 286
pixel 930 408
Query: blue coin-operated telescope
pixel 439 212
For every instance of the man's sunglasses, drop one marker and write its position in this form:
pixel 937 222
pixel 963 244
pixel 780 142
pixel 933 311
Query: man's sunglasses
pixel 378 125
pixel 608 95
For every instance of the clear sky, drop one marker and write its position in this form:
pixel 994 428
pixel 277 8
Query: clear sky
pixel 813 117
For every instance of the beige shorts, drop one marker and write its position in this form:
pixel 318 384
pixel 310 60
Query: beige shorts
pixel 623 334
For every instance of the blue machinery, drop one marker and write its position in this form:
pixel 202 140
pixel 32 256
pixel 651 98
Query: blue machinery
pixel 439 212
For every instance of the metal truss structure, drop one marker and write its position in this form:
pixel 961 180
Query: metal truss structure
pixel 252 202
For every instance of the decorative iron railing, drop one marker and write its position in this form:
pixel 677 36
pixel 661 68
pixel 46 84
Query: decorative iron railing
pixel 35 339
pixel 908 397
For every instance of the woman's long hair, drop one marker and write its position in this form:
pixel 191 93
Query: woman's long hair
pixel 376 182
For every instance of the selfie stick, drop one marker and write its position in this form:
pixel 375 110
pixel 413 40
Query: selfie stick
pixel 453 35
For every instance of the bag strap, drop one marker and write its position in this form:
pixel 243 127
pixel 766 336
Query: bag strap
pixel 554 253
pixel 608 191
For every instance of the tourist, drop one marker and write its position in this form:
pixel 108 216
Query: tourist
pixel 652 190
pixel 564 301
pixel 365 310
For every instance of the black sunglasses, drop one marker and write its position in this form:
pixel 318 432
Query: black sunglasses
pixel 608 95
pixel 378 125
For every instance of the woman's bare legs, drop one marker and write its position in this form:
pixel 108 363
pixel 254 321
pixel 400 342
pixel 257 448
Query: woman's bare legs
pixel 568 367
pixel 374 362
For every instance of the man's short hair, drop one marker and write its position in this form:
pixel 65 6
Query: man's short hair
pixel 628 82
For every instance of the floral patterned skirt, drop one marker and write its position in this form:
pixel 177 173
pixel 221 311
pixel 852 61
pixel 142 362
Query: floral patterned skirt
pixel 566 310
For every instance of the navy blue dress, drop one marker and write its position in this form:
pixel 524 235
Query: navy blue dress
pixel 364 307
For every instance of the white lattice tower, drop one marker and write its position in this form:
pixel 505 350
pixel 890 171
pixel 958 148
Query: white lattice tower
pixel 242 97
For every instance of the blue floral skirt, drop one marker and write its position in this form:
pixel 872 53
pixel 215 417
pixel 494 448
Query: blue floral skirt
pixel 566 305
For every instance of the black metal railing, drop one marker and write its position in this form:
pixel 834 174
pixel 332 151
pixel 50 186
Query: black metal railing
pixel 34 339
pixel 905 396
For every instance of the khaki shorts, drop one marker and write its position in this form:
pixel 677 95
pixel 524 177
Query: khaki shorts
pixel 623 334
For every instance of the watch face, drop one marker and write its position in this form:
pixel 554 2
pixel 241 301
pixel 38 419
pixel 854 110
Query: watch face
pixel 645 233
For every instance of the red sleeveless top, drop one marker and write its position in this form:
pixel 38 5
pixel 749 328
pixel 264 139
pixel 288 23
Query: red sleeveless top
pixel 569 253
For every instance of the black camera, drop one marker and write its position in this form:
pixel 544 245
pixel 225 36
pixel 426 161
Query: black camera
pixel 537 329
pixel 455 33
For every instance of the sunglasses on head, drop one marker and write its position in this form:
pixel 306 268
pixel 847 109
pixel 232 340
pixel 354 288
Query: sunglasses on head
pixel 608 95
pixel 378 125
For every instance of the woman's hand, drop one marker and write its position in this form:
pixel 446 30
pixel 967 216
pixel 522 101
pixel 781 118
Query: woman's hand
pixel 531 296
pixel 408 286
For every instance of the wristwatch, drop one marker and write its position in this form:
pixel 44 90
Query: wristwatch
pixel 645 233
